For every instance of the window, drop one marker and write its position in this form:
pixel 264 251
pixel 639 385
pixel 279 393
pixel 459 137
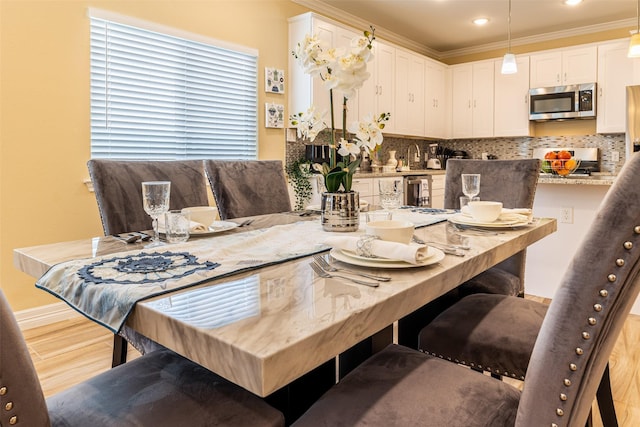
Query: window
pixel 158 96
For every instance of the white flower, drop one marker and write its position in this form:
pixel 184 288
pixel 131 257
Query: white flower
pixel 369 131
pixel 347 148
pixel 309 123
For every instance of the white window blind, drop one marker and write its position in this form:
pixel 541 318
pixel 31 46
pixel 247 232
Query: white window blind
pixel 157 96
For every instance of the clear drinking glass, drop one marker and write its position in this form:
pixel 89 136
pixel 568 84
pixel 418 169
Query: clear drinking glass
pixel 471 184
pixel 155 199
pixel 390 193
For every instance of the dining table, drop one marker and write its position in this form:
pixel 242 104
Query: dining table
pixel 264 318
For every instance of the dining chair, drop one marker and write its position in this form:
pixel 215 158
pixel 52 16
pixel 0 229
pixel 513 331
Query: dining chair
pixel 512 182
pixel 402 386
pixel 248 187
pixel 161 388
pixel 117 186
pixel 118 190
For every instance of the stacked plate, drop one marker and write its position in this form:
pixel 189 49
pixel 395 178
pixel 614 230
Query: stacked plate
pixel 433 256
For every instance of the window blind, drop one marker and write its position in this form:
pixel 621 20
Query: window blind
pixel 160 97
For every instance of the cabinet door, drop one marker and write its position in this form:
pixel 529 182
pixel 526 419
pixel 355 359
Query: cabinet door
pixel 461 102
pixel 511 102
pixel 435 103
pixel 376 95
pixel 482 120
pixel 409 91
pixel 615 72
pixel 579 65
pixel 364 186
pixel 546 69
pixel 325 32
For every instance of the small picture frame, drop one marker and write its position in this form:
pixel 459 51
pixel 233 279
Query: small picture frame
pixel 273 80
pixel 273 115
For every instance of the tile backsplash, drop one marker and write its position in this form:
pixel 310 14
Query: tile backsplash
pixel 502 148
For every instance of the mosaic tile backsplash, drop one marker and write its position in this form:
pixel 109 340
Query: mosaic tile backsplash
pixel 501 148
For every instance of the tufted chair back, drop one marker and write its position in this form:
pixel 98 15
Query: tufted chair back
pixel 21 397
pixel 249 187
pixel 119 193
pixel 512 182
pixel 587 312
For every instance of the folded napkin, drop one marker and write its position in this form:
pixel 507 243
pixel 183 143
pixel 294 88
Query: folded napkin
pixel 413 254
pixel 194 227
pixel 508 214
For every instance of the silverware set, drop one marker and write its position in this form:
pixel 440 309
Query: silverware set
pixel 457 250
pixel 319 259
pixel 132 237
pixel 320 272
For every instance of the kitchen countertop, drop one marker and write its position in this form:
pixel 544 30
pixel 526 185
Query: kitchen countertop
pixel 411 172
pixel 593 179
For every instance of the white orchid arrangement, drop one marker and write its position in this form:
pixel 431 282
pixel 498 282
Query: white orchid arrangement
pixel 344 70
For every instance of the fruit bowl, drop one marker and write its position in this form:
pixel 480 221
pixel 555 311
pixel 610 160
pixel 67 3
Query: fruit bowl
pixel 560 163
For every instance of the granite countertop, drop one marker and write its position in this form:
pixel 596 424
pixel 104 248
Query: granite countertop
pixel 411 172
pixel 593 179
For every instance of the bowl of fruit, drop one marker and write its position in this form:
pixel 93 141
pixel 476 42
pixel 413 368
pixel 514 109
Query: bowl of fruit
pixel 559 163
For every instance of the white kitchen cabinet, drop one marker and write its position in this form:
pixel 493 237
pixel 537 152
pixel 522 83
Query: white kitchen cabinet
pixel 364 186
pixel 615 72
pixel 564 67
pixel 305 91
pixel 437 191
pixel 436 102
pixel 377 94
pixel 511 102
pixel 409 94
pixel 472 100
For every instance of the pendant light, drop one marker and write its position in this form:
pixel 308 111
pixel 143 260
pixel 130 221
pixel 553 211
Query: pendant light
pixel 634 44
pixel 509 65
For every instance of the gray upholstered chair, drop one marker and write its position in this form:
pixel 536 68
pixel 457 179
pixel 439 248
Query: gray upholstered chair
pixel 118 190
pixel 159 389
pixel 117 185
pixel 400 386
pixel 248 188
pixel 512 182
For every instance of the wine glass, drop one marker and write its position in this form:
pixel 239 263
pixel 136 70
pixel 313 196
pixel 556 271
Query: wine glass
pixel 470 185
pixel 155 199
pixel 390 193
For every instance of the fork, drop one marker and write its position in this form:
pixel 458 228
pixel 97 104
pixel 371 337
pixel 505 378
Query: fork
pixel 328 267
pixel 320 272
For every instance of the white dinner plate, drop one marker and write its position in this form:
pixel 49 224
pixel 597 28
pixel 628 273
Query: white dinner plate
pixel 215 227
pixel 338 254
pixel 463 219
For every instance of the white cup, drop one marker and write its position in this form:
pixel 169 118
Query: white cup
pixel 176 226
pixel 379 215
pixel 391 230
pixel 485 211
pixel 464 201
pixel 204 215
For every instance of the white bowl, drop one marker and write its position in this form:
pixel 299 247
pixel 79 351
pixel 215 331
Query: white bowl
pixel 485 211
pixel 204 215
pixel 391 230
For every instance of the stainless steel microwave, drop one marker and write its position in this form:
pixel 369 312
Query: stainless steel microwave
pixel 563 102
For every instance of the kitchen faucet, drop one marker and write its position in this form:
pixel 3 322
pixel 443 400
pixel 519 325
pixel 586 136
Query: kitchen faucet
pixel 417 154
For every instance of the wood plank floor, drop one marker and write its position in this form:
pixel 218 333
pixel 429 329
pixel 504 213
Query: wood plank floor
pixel 69 352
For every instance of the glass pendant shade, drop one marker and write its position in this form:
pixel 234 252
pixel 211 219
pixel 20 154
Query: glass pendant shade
pixel 509 65
pixel 634 46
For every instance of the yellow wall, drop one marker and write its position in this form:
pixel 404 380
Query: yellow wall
pixel 44 120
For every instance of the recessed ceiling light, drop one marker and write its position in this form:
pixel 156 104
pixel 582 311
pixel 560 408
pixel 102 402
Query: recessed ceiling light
pixel 572 2
pixel 480 21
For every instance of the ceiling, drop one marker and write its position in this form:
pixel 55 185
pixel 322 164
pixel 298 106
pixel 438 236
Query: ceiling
pixel 445 28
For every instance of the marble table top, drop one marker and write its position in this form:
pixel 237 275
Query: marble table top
pixel 264 328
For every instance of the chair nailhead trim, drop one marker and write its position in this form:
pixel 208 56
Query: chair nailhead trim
pixel 592 321
pixel 604 293
pixel 567 382
pixel 612 277
pixel 560 412
pixel 8 406
pixel 619 262
pixel 597 307
pixel 573 366
pixel 554 425
pixel 13 420
pixel 628 245
pixel 563 397
pixel 586 335
pixel 3 391
pixel 636 229
pixel 579 351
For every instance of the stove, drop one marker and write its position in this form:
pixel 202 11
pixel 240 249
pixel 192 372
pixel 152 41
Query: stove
pixel 589 158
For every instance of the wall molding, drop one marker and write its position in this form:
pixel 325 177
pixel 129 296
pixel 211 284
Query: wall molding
pixel 44 315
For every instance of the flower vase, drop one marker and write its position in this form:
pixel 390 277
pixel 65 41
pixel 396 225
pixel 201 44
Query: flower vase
pixel 392 162
pixel 376 161
pixel 340 211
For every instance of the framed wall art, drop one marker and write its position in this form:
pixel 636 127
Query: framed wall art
pixel 274 115
pixel 273 80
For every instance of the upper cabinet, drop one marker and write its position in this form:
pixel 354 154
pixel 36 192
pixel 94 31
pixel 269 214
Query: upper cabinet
pixel 564 67
pixel 615 72
pixel 436 100
pixel 511 102
pixel 472 100
pixel 377 95
pixel 409 88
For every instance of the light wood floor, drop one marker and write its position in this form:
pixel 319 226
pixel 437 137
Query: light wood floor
pixel 69 352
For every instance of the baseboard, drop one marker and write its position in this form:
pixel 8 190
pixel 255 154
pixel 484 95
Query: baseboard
pixel 44 315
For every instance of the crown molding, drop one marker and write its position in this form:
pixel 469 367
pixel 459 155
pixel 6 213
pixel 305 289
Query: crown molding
pixel 354 21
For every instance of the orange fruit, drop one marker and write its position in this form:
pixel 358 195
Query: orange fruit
pixel 565 155
pixel 564 172
pixel 570 164
pixel 550 155
pixel 556 165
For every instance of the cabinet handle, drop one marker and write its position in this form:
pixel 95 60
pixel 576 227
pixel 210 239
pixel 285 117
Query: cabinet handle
pixel 474 103
pixel 380 91
pixel 600 90
pixel 558 78
pixel 469 106
pixel 565 76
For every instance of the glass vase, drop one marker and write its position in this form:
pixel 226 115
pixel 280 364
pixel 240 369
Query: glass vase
pixel 340 211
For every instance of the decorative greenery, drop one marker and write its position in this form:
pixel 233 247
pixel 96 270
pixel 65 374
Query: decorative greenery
pixel 300 181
